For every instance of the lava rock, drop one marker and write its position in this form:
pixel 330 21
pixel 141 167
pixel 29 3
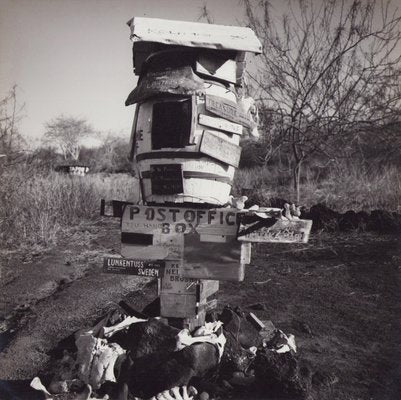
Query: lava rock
pixel 282 375
pixel 237 326
pixel 151 374
pixel 384 222
pixel 323 218
pixel 144 338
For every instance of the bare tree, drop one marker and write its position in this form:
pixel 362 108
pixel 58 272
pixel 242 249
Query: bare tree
pixel 11 114
pixel 67 133
pixel 328 70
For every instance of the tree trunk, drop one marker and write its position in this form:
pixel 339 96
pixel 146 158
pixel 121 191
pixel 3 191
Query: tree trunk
pixel 296 176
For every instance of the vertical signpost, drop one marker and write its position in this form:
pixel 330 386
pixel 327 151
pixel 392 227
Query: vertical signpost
pixel 185 145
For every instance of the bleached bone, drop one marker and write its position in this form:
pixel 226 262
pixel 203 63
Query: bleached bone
pixel 288 346
pixel 174 394
pixel 38 385
pixel 96 359
pixel 185 339
pixel 111 330
pixel 249 107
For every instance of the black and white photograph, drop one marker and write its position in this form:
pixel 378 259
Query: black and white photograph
pixel 200 200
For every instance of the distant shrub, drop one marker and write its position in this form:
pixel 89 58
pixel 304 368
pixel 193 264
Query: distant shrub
pixel 35 206
pixel 342 187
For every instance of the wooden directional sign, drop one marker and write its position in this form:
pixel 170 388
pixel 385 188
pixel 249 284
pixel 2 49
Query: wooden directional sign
pixel 271 230
pixel 163 233
pixel 118 265
pixel 226 109
pixel 220 123
pixel 220 149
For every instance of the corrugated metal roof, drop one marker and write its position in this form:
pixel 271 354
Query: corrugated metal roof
pixel 194 34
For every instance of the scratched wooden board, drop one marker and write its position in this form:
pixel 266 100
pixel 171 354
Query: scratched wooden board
pixel 276 231
pixel 179 305
pixel 118 265
pixel 220 124
pixel 173 281
pixel 220 149
pixel 226 109
pixel 179 220
pixel 205 260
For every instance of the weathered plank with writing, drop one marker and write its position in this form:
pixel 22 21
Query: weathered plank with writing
pixel 166 178
pixel 220 123
pixel 226 109
pixel 118 265
pixel 220 149
pixel 179 220
pixel 276 231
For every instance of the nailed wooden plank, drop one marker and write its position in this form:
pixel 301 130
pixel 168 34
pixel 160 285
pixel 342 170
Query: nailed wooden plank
pixel 166 178
pixel 205 260
pixel 220 149
pixel 173 282
pixel 178 305
pixel 271 230
pixel 146 268
pixel 220 124
pixel 226 109
pixel 180 220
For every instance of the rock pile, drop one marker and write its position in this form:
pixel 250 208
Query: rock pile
pixel 124 357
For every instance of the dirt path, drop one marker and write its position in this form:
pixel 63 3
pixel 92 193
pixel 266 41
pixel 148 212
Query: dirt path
pixel 46 300
pixel 339 295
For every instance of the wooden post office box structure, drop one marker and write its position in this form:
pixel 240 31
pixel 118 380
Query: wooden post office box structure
pixel 188 123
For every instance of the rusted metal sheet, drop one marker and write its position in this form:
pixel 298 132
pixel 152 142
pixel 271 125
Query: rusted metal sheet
pixel 220 149
pixel 220 124
pixel 194 34
pixel 181 81
pixel 226 109
pixel 212 260
pixel 145 268
pixel 271 230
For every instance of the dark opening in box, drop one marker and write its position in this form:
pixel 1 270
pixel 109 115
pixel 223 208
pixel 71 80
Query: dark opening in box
pixel 171 124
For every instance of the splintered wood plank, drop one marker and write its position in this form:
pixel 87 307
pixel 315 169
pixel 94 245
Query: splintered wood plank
pixel 220 149
pixel 271 230
pixel 220 124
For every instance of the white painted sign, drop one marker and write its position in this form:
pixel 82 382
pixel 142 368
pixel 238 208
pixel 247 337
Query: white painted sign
pixel 220 124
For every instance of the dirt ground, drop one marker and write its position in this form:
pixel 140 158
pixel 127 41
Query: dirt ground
pixel 340 295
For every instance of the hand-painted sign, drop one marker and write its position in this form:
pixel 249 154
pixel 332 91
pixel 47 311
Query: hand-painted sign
pixel 220 149
pixel 220 123
pixel 172 220
pixel 226 109
pixel 276 231
pixel 117 265
pixel 188 238
pixel 166 178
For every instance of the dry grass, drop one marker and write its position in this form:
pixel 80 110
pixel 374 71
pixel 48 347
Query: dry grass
pixel 343 188
pixel 35 207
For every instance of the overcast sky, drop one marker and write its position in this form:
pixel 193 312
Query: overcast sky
pixel 74 57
